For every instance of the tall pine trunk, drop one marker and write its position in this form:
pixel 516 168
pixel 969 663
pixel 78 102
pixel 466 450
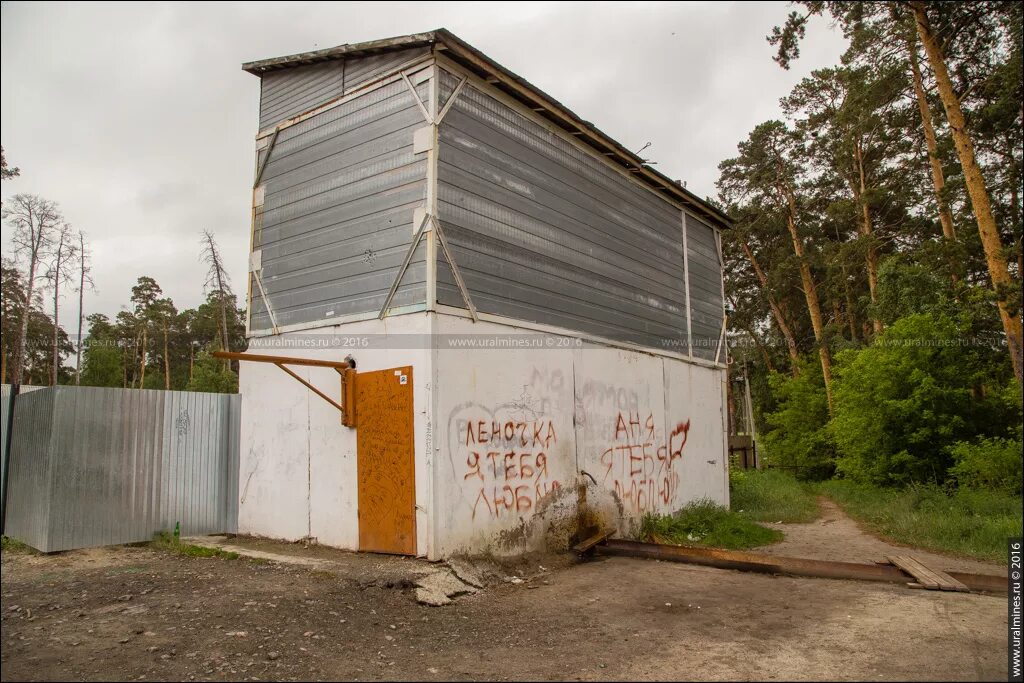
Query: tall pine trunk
pixel 866 231
pixel 81 309
pixel 142 361
pixel 932 142
pixel 976 189
pixel 780 320
pixel 167 361
pixel 18 374
pixel 56 326
pixel 811 294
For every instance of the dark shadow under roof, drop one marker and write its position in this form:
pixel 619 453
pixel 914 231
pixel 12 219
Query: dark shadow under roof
pixel 516 87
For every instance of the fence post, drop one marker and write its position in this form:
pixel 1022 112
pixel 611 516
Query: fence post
pixel 7 456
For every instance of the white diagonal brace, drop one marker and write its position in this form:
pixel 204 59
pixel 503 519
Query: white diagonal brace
pixel 416 96
pixel 266 159
pixel 405 266
pixel 721 339
pixel 455 269
pixel 451 99
pixel 266 301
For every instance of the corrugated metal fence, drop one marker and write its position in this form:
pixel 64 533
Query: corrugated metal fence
pixel 5 405
pixel 95 466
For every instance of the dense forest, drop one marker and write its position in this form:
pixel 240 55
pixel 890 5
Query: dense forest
pixel 874 270
pixel 149 344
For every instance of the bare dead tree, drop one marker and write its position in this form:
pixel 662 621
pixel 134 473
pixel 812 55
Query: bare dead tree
pixel 35 222
pixel 217 281
pixel 84 280
pixel 60 272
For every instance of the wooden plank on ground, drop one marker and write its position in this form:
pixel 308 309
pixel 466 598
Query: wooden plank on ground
pixel 932 579
pixel 599 537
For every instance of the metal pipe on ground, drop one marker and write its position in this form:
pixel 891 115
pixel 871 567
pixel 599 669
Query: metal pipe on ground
pixel 790 566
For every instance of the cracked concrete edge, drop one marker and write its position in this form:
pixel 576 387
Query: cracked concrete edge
pixel 211 542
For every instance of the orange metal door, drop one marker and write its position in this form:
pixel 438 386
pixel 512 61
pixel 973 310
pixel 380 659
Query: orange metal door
pixel 385 461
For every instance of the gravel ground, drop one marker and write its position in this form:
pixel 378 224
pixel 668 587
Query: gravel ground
pixel 133 613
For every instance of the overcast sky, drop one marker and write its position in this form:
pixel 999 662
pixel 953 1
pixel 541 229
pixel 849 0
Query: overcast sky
pixel 137 119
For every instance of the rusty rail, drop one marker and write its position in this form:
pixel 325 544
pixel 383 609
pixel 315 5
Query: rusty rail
pixel 346 369
pixel 790 566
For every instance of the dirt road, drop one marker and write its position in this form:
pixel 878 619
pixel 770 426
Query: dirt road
pixel 135 613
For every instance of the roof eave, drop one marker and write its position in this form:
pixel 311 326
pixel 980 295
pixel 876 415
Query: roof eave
pixel 260 67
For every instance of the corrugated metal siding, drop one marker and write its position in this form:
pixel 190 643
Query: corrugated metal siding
pixel 341 188
pixel 544 232
pixel 5 403
pixel 29 492
pixel 96 466
pixel 705 288
pixel 289 92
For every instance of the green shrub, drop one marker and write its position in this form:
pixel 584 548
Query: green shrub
pixel 770 496
pixel 900 404
pixel 797 437
pixel 704 523
pixel 988 464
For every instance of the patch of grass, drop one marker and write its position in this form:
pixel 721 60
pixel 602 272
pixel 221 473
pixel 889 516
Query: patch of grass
pixel 165 541
pixel 771 496
pixel 966 522
pixel 704 523
pixel 13 545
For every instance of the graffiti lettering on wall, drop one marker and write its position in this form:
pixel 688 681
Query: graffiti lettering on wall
pixel 508 461
pixel 638 466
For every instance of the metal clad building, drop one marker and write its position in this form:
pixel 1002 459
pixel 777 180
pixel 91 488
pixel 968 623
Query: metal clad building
pixel 412 187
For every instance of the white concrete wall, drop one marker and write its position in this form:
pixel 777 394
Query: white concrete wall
pixel 297 462
pixel 519 429
pixel 517 435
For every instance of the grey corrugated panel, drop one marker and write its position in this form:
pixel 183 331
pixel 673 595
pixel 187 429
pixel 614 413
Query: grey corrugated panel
pixel 336 292
pixel 352 221
pixel 566 154
pixel 283 90
pixel 360 205
pixel 543 231
pixel 351 273
pixel 289 92
pixel 28 501
pixel 537 231
pixel 360 126
pixel 353 148
pixel 277 85
pixel 380 249
pixel 524 217
pixel 513 308
pixel 293 91
pixel 586 260
pixel 396 168
pixel 487 262
pixel 479 133
pixel 353 112
pixel 231 431
pixel 359 70
pixel 122 464
pixel 5 402
pixel 341 189
pixel 705 288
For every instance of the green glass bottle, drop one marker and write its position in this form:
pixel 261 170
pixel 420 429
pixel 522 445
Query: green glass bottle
pixel 177 531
